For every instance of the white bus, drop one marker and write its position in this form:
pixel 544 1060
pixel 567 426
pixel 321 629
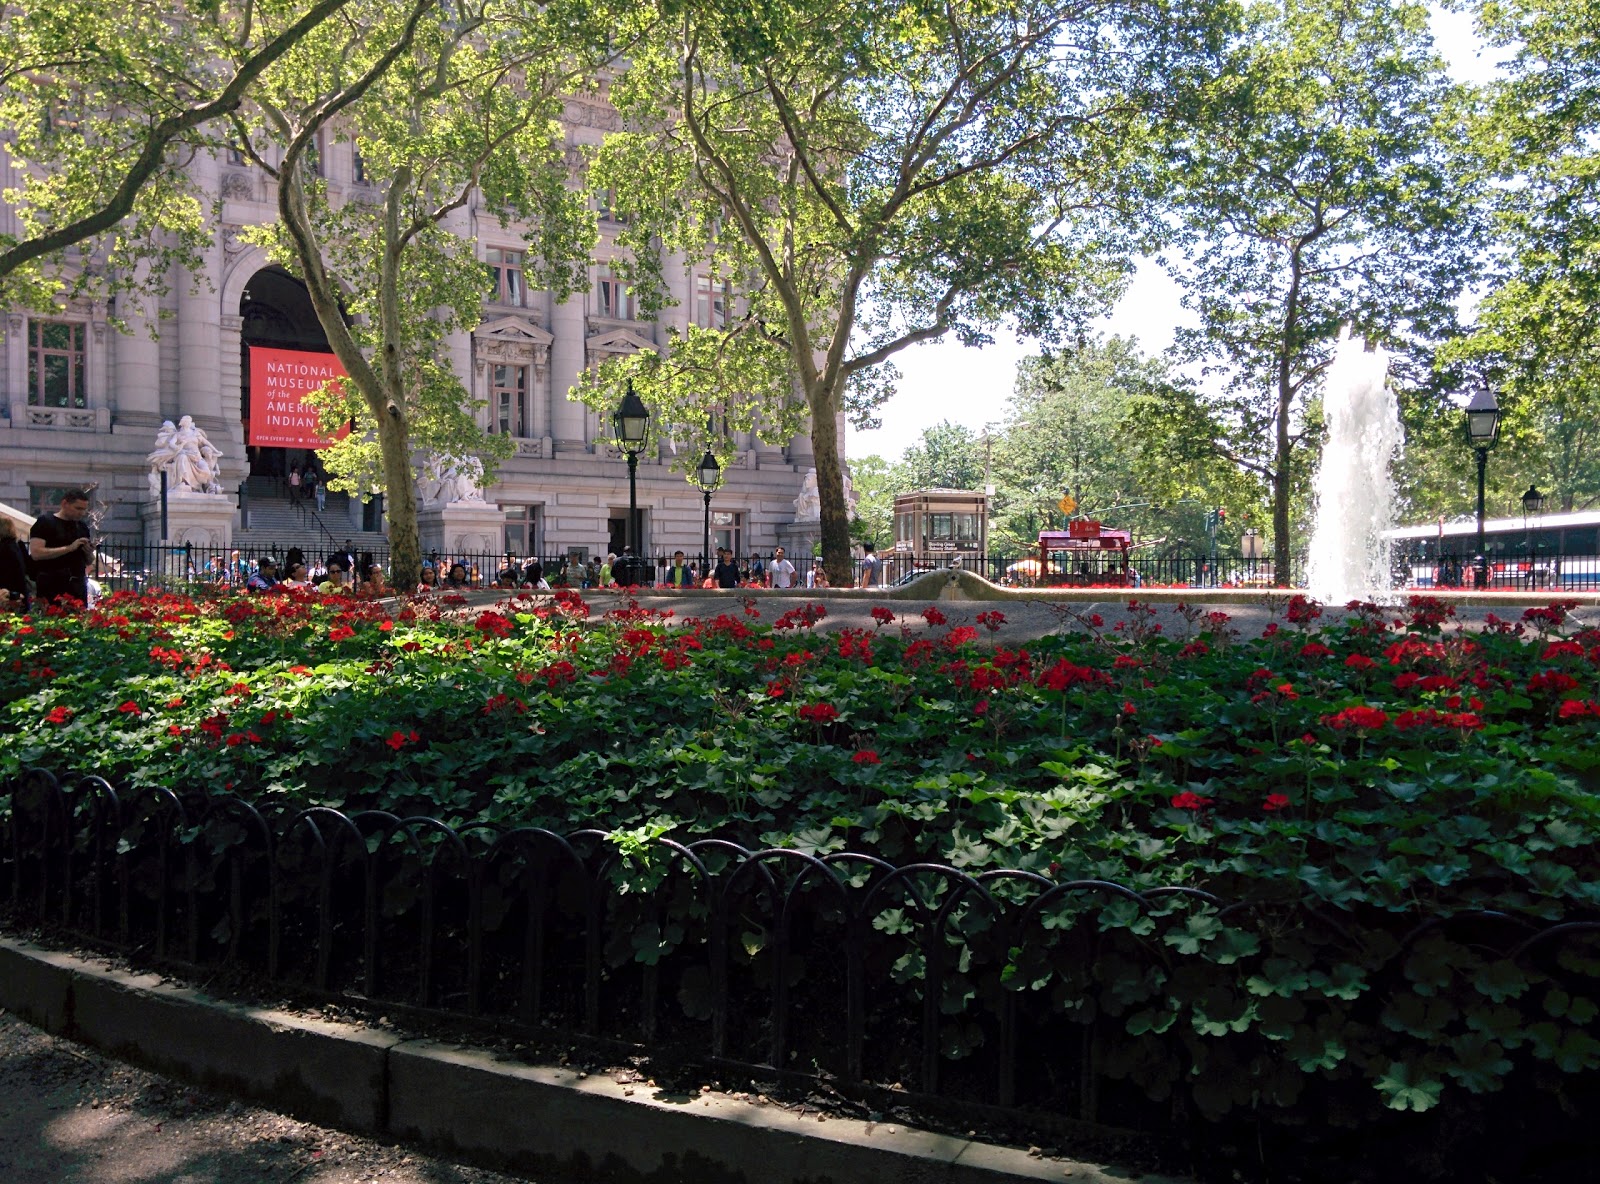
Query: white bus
pixel 1556 551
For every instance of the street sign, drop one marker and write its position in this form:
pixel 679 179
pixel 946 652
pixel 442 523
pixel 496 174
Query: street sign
pixel 1067 504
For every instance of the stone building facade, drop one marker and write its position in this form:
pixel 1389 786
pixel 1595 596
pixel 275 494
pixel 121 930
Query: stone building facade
pixel 81 401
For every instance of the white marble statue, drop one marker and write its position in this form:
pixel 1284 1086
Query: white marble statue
pixel 808 506
pixel 452 479
pixel 192 463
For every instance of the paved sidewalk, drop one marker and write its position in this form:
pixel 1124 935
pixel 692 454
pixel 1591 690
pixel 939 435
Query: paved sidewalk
pixel 555 1121
pixel 71 1116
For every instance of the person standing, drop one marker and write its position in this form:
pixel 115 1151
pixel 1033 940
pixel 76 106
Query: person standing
pixel 294 483
pixel 678 575
pixel 726 573
pixel 321 490
pixel 60 548
pixel 13 568
pixel 780 572
pixel 870 566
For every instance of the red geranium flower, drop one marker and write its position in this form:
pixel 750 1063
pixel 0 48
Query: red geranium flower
pixel 130 708
pixel 1189 800
pixel 933 616
pixel 882 615
pixel 1275 801
pixel 819 713
pixel 866 757
pixel 1370 719
pixel 1359 662
pixel 58 715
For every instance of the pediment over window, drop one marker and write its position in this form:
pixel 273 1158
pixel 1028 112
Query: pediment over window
pixel 618 341
pixel 511 341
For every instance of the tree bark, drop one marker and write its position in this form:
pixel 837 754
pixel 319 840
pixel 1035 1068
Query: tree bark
pixel 830 483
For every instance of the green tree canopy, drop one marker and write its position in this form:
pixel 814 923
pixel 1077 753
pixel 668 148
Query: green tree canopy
pixel 1318 187
pixel 101 107
pixel 440 110
pixel 873 175
pixel 1537 329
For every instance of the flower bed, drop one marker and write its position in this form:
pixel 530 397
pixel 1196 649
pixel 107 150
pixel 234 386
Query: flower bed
pixel 1341 783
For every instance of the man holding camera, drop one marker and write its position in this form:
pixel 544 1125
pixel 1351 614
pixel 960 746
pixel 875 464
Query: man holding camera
pixel 59 546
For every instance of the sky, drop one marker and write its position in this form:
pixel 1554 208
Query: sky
pixel 947 381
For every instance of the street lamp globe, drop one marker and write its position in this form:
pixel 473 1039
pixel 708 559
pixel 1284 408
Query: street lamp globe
pixel 1483 418
pixel 631 421
pixel 1532 505
pixel 708 473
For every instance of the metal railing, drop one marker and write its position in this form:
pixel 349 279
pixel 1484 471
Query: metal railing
pixel 129 562
pixel 838 965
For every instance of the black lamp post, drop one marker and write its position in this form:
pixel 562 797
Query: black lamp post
pixel 632 422
pixel 1483 426
pixel 1532 512
pixel 707 476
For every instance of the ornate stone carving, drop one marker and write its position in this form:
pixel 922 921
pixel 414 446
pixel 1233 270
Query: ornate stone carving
pixel 238 184
pixel 596 115
pixel 231 242
pixel 80 419
pixel 450 479
pixel 511 341
pixel 808 503
pixel 192 463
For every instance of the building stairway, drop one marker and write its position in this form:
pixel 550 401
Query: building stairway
pixel 275 524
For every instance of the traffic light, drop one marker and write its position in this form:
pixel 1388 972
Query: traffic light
pixel 1222 514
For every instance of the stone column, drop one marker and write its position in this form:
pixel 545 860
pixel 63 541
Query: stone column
pixel 136 364
pixel 568 357
pixel 16 365
pixel 200 319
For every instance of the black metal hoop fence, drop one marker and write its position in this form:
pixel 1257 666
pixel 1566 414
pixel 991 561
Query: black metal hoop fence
pixel 838 965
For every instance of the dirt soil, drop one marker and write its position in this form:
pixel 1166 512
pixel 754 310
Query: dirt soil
pixel 71 1116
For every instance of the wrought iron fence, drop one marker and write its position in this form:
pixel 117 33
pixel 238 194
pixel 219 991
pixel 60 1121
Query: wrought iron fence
pixel 839 964
pixel 124 562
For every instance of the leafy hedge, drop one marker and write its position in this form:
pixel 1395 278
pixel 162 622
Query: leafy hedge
pixel 1333 785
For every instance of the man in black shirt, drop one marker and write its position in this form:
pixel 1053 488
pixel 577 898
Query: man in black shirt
pixel 726 572
pixel 60 548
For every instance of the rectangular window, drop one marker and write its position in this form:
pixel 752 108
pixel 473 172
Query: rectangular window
pixel 358 165
pixel 711 300
pixel 727 530
pixel 56 364
pixel 605 205
pixel 507 397
pixel 506 283
pixel 523 534
pixel 43 499
pixel 612 297
pixel 236 156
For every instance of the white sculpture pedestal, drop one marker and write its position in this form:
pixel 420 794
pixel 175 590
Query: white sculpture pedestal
pixel 462 528
pixel 201 519
pixel 800 538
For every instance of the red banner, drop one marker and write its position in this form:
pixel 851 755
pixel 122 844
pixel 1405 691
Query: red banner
pixel 279 380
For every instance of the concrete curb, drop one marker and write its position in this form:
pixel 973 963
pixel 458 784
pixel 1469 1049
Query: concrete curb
pixel 533 1119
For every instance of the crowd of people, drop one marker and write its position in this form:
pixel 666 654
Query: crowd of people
pixel 53 562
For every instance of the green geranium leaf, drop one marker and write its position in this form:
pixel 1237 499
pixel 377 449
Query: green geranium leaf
pixel 1409 1087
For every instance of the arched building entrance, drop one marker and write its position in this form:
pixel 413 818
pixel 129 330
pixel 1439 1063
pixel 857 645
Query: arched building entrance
pixel 276 312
